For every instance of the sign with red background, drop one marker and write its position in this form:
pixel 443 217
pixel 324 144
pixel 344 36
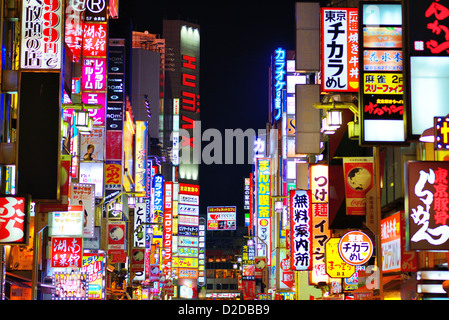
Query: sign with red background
pixel 66 252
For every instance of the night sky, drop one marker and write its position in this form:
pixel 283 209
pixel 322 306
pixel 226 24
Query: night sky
pixel 236 41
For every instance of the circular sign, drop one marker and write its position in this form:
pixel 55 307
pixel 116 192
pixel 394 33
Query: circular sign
pixel 355 248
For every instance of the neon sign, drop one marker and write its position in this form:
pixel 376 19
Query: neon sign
pixel 263 206
pixel 158 185
pixel 278 81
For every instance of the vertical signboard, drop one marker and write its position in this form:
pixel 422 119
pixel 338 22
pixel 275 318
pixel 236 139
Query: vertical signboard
pixel 141 155
pixel 426 205
pixel 263 211
pixel 114 117
pixel 139 219
pixel 409 259
pixel 93 267
pixel 426 42
pixel 94 60
pixel 189 239
pixel 358 175
pixel 340 49
pixel 246 194
pixel 42 34
pixel 189 111
pixel 301 230
pixel 319 186
pixel 84 195
pixel 381 103
pixel 202 252
pixel 158 202
pixel 278 83
pixel 73 34
pixel 390 235
pixel 168 226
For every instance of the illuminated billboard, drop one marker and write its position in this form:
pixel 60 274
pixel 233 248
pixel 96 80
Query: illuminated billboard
pixel 221 218
pixel 390 234
pixel 66 252
pixel 426 44
pixel 168 225
pixel 92 145
pixel 188 232
pixel 340 49
pixel 278 83
pixel 158 185
pixel 426 208
pixel 381 104
pixel 92 173
pixel 93 268
pixel 263 207
pixel 68 223
pixel 70 286
pixel 14 220
pixel 301 230
pixel 188 92
pixel 141 155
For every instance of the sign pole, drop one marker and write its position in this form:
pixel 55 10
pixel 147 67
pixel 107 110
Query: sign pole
pixel 378 217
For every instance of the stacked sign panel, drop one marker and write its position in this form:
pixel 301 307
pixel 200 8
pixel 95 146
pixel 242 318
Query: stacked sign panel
pixel 381 102
pixel 114 120
pixel 168 226
pixel 187 261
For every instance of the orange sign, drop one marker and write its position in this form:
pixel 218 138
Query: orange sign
pixel 113 173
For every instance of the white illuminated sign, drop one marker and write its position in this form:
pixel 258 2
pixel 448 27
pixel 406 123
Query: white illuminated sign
pixel 92 172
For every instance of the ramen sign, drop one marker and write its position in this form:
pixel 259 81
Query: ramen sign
pixel 355 248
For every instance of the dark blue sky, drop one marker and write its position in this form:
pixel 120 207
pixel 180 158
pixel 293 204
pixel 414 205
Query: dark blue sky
pixel 236 38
